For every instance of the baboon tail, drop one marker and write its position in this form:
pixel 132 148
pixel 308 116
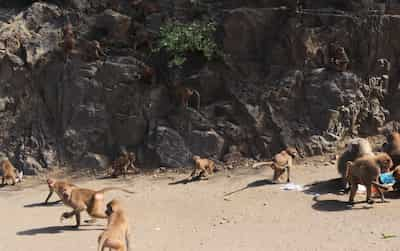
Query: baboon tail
pixel 262 164
pixel 197 99
pixel 380 185
pixel 114 188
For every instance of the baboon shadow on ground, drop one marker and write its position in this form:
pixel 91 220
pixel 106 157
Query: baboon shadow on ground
pixel 332 186
pixel 42 204
pixel 186 180
pixel 257 183
pixel 55 230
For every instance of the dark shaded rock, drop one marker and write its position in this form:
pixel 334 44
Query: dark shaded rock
pixel 170 147
pixel 94 161
pixel 115 25
pixel 206 144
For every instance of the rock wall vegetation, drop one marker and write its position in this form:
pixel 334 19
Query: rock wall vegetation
pixel 268 83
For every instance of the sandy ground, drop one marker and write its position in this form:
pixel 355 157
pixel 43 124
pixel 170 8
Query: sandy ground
pixel 197 216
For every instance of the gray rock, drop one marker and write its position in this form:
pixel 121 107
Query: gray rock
pixel 170 147
pixel 206 143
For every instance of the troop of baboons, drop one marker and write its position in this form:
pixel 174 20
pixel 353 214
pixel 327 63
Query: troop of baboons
pixel 357 165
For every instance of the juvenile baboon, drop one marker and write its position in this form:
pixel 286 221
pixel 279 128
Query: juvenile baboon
pixel 356 148
pixel 183 94
pixel 56 186
pixel 280 162
pixel 148 75
pixel 392 147
pixel 69 40
pixel 91 50
pixel 8 173
pixel 82 199
pixel 121 165
pixel 202 167
pixel 338 57
pixel 116 236
pixel 365 171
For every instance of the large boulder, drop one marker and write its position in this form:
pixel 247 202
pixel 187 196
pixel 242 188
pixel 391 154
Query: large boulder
pixel 206 143
pixel 170 147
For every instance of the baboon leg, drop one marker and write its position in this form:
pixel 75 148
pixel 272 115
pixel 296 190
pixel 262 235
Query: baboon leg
pixel 369 200
pixel 381 195
pixel 78 219
pixel 96 210
pixel 353 190
pixel 3 180
pixel 288 174
pixel 193 172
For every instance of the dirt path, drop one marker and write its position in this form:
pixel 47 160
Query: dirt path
pixel 196 216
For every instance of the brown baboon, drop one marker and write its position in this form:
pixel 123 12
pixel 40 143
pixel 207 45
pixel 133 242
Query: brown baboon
pixel 338 58
pixel 69 40
pixel 183 94
pixel 202 167
pixel 8 173
pixel 116 236
pixel 281 161
pixel 91 50
pixel 392 147
pixel 356 148
pixel 148 75
pixel 365 171
pixel 121 165
pixel 56 186
pixel 82 199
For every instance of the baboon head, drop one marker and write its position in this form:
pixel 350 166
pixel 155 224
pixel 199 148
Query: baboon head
pixel 384 161
pixel 196 158
pixel 112 207
pixel 292 152
pixel 51 182
pixel 66 192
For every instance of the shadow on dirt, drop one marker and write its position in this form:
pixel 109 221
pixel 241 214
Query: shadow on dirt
pixel 332 186
pixel 55 230
pixel 186 180
pixel 257 183
pixel 42 204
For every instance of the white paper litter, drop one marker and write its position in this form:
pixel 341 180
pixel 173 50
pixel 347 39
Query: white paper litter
pixel 292 187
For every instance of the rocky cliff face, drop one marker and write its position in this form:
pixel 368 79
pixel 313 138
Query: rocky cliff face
pixel 274 87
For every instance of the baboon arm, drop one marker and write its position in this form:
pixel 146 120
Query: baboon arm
pixel 48 196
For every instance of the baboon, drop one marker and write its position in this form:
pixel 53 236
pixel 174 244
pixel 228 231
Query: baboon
pixel 365 171
pixel 82 199
pixel 69 40
pixel 142 37
pixel 56 186
pixel 183 94
pixel 202 167
pixel 91 50
pixel 392 147
pixel 148 75
pixel 356 148
pixel 8 173
pixel 122 164
pixel 116 236
pixel 338 58
pixel 145 8
pixel 280 162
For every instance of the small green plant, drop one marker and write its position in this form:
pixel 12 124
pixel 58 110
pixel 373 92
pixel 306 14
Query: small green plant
pixel 179 39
